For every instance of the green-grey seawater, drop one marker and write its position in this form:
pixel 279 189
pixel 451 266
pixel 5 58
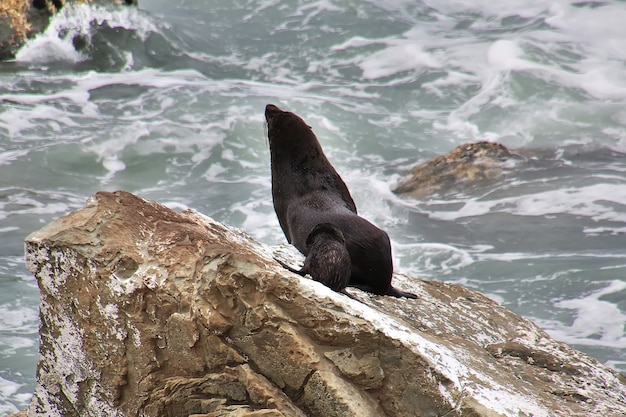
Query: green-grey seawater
pixel 166 101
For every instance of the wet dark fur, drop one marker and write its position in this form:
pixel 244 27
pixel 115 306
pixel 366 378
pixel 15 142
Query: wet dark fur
pixel 327 260
pixel 307 191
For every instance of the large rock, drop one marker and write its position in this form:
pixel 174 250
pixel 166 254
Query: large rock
pixel 466 165
pixel 150 312
pixel 23 19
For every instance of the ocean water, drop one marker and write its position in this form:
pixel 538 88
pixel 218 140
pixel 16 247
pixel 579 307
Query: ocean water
pixel 166 101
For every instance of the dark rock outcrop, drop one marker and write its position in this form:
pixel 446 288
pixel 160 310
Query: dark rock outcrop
pixel 466 164
pixel 23 19
pixel 150 312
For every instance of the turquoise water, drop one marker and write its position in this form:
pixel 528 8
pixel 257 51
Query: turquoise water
pixel 167 100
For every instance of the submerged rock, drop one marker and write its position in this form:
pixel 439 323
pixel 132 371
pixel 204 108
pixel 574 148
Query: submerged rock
pixel 146 311
pixel 23 19
pixel 466 164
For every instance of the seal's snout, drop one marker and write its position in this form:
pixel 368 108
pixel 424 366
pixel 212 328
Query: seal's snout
pixel 272 111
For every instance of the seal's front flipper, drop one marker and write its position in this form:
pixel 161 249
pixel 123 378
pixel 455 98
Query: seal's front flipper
pixel 301 272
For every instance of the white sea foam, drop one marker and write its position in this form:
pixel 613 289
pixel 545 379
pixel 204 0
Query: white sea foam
pixel 311 10
pixel 21 319
pixel 596 322
pixel 504 54
pixel 595 231
pixel 260 218
pixel 593 201
pixel 372 195
pixel 595 34
pixel 79 97
pixel 522 8
pixel 28 204
pixel 403 56
pixel 7 387
pixel 11 399
pixel 13 344
pixel 55 44
pixel 12 121
pixel 600 30
pixel 431 258
pixel 529 256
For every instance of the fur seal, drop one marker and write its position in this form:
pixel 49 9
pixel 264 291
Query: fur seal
pixel 308 191
pixel 327 260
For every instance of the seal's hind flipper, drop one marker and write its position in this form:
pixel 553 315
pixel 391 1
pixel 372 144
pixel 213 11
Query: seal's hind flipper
pixel 397 293
pixel 390 291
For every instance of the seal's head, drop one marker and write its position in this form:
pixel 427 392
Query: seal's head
pixel 284 126
pixel 272 114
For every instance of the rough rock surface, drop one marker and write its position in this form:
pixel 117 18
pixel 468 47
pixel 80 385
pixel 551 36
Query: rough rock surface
pixel 23 19
pixel 466 164
pixel 150 312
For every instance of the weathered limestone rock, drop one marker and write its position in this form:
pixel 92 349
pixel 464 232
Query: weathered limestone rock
pixel 150 312
pixel 466 164
pixel 23 19
pixel 14 26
